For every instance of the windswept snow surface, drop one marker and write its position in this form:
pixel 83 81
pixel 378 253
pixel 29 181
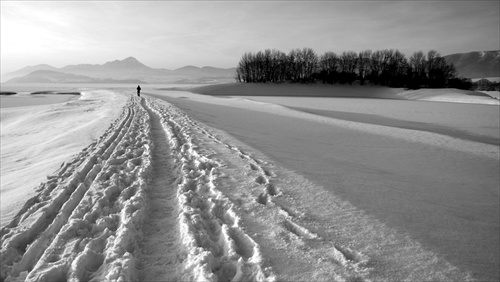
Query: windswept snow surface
pixel 160 196
pixel 449 95
pixel 33 100
pixel 427 169
pixel 35 140
pixel 97 219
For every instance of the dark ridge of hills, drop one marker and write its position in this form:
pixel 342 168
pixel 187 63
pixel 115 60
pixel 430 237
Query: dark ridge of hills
pixel 482 64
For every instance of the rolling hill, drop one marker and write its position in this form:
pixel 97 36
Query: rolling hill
pixel 483 64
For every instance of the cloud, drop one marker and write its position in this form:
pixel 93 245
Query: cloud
pixel 172 34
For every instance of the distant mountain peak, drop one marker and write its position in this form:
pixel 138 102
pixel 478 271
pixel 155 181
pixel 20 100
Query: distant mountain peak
pixel 188 67
pixel 38 67
pixel 129 68
pixel 131 59
pixel 127 63
pixel 41 66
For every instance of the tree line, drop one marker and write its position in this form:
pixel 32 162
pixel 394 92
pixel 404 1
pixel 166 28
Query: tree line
pixel 383 67
pixel 486 85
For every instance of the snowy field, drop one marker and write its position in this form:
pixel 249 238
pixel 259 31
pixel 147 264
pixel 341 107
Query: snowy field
pixel 36 140
pixel 249 189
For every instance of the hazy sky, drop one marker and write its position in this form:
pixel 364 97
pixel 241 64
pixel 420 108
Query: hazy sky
pixel 172 34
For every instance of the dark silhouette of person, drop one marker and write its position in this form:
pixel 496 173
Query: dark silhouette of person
pixel 139 90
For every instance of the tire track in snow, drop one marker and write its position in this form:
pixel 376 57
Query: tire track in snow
pixel 82 223
pixel 160 242
pixel 41 213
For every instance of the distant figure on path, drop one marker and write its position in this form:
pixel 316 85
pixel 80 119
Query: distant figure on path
pixel 139 90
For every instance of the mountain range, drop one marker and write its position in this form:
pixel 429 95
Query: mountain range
pixel 49 76
pixel 483 64
pixel 129 70
pixel 480 64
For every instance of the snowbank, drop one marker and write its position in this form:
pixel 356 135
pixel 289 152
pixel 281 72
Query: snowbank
pixel 297 90
pixel 474 122
pixel 494 94
pixel 354 91
pixel 410 135
pixel 449 95
pixel 23 100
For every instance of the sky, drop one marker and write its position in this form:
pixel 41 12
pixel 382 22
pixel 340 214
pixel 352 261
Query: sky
pixel 173 34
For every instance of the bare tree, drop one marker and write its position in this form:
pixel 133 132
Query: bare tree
pixel 347 64
pixel 386 67
pixel 328 67
pixel 416 70
pixel 294 65
pixel 396 69
pixel 438 71
pixel 364 65
pixel 243 71
pixel 309 61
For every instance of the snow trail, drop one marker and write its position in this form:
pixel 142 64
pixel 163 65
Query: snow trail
pixel 161 197
pixel 160 244
pixel 141 203
pixel 84 217
pixel 215 246
pixel 267 209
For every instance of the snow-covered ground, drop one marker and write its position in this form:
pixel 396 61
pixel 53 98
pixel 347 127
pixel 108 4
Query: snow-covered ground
pixel 449 95
pixel 162 194
pixel 35 140
pixel 494 94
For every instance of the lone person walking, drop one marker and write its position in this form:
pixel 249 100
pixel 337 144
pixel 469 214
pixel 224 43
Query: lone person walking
pixel 139 90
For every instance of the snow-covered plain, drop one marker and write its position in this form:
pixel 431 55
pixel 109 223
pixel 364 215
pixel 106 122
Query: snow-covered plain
pixel 36 139
pixel 163 195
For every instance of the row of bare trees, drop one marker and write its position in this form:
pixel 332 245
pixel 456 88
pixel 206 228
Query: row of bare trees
pixel 382 67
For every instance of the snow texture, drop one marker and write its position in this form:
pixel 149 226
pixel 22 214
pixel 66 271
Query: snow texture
pixel 37 139
pixel 162 197
pixel 85 222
